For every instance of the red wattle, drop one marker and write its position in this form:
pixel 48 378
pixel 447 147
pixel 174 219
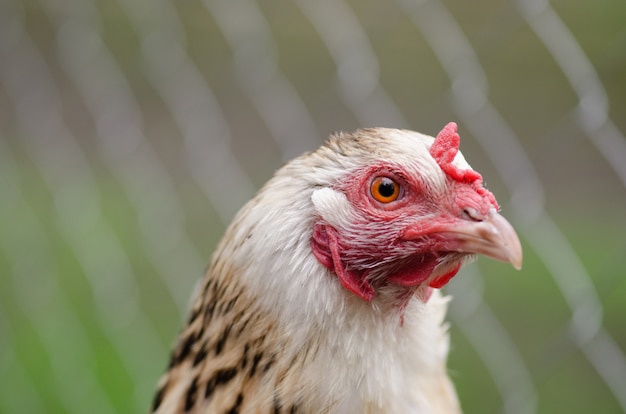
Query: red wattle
pixel 355 282
pixel 443 280
pixel 320 248
pixel 415 272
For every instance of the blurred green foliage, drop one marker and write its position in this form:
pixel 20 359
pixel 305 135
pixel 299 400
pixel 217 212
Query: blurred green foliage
pixel 51 323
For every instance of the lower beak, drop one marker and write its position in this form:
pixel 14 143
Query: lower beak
pixel 493 237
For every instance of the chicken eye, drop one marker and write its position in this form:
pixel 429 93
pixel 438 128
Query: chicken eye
pixel 385 190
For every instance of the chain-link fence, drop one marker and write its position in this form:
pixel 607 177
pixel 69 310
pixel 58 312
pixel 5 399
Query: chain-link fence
pixel 132 131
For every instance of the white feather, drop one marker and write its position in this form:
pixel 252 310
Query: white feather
pixel 362 357
pixel 368 359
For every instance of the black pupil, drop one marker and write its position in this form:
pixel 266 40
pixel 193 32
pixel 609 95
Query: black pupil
pixel 386 188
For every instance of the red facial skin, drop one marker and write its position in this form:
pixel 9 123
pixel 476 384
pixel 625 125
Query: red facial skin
pixel 403 241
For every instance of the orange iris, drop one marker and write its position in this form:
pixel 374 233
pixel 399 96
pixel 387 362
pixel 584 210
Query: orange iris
pixel 384 189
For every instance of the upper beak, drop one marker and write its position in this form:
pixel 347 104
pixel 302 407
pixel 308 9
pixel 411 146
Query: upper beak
pixel 492 236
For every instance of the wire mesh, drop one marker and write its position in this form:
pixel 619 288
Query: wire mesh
pixel 131 132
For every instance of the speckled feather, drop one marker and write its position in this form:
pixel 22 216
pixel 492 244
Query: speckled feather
pixel 271 330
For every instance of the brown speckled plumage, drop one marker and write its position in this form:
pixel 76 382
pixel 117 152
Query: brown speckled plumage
pixel 227 350
pixel 340 319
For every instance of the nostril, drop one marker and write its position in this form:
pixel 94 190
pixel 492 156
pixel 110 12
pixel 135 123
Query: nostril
pixel 472 214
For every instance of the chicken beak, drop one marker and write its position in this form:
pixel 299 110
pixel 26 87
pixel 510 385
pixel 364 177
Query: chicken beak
pixel 493 237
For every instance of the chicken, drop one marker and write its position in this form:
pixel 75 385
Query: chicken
pixel 323 295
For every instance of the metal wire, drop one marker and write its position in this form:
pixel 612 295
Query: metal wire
pixel 79 66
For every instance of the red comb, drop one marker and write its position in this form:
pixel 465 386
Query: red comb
pixel 444 149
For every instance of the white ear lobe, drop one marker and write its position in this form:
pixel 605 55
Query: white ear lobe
pixel 333 206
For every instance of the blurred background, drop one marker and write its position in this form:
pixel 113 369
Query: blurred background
pixel 131 132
